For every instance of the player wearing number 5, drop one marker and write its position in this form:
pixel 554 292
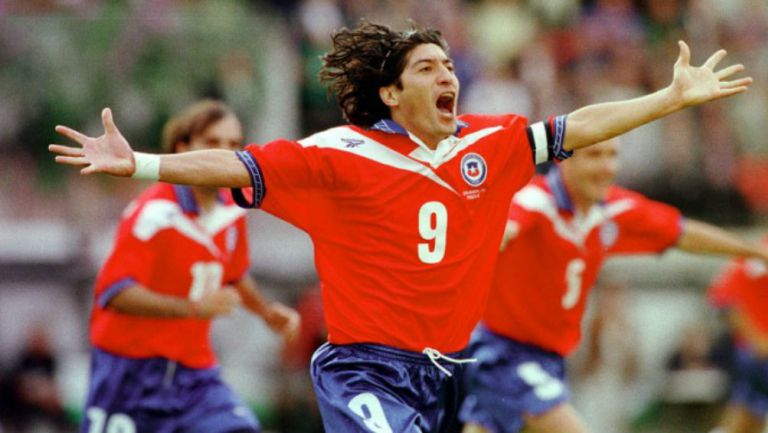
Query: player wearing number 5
pixel 560 229
pixel 406 208
pixel 180 258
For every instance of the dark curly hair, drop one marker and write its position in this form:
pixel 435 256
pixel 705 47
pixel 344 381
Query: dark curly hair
pixel 365 59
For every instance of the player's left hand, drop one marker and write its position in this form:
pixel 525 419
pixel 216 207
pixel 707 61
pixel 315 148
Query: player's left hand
pixel 696 85
pixel 108 153
pixel 283 320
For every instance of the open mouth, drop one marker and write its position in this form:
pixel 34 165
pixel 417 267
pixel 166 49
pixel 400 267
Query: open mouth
pixel 446 103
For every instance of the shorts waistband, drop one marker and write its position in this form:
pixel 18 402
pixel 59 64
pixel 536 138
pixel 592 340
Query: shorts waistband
pixel 390 352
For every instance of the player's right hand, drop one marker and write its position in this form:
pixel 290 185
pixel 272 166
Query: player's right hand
pixel 109 153
pixel 218 302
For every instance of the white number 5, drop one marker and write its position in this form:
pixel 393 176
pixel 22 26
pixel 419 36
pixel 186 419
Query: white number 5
pixel 573 280
pixel 433 225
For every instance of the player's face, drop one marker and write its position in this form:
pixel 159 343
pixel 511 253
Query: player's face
pixel 225 133
pixel 426 103
pixel 591 171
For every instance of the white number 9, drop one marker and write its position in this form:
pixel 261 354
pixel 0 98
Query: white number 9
pixel 433 225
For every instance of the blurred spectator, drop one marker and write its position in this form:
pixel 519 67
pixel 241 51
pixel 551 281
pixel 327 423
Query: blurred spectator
pixel 29 397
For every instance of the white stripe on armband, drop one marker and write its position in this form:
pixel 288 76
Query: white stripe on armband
pixel 147 166
pixel 540 146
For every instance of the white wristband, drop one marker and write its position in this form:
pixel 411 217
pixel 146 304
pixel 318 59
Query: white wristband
pixel 147 166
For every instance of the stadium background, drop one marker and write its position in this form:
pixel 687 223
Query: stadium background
pixel 61 61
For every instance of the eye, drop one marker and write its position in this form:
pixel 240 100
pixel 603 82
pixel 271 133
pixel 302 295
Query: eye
pixel 425 69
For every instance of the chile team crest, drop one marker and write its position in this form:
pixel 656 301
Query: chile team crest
pixel 473 169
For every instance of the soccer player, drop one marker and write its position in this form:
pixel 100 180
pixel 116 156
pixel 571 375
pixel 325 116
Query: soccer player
pixel 180 258
pixel 740 291
pixel 406 208
pixel 560 229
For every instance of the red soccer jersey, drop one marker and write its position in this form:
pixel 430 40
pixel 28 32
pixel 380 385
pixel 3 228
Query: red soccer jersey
pixel 405 238
pixel 164 245
pixel 545 274
pixel 743 285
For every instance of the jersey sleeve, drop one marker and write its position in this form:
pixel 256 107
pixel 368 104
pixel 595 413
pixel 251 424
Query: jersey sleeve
pixel 645 226
pixel 129 263
pixel 286 176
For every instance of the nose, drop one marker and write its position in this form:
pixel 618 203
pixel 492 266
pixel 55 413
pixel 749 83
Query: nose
pixel 445 75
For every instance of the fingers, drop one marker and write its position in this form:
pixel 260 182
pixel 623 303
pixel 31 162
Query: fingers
pixel 727 72
pixel 72 134
pixel 684 58
pixel 741 82
pixel 106 120
pixel 65 150
pixel 714 59
pixel 77 161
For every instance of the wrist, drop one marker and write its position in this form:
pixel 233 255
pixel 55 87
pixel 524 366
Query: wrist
pixel 147 166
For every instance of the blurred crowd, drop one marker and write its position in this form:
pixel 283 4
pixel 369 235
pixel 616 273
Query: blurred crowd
pixel 61 61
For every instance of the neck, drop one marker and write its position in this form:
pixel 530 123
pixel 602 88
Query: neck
pixel 205 198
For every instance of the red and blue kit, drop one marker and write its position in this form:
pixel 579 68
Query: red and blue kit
pixel 405 237
pixel 743 285
pixel 545 274
pixel 165 245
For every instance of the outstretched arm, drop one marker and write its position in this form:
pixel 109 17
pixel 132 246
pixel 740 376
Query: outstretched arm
pixel 111 154
pixel 703 238
pixel 138 300
pixel 690 86
pixel 280 318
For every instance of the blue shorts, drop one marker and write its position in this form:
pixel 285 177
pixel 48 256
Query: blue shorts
pixel 749 383
pixel 155 395
pixel 365 388
pixel 510 379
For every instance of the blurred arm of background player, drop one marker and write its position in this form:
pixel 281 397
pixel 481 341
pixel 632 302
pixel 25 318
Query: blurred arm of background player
pixel 702 238
pixel 140 301
pixel 697 237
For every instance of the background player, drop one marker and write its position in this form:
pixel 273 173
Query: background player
pixel 740 291
pixel 180 258
pixel 405 207
pixel 561 227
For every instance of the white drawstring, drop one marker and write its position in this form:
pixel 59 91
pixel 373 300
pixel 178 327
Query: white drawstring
pixel 434 355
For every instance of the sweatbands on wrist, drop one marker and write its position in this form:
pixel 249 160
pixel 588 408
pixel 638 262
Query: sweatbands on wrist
pixel 147 166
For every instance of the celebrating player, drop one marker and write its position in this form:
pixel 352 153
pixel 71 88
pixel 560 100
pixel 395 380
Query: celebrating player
pixel 740 291
pixel 560 229
pixel 406 208
pixel 180 259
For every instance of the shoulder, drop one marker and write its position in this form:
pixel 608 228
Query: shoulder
pixel 340 137
pixel 477 122
pixel 536 197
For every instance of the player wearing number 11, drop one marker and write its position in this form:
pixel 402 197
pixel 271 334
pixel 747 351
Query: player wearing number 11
pixel 406 208
pixel 180 258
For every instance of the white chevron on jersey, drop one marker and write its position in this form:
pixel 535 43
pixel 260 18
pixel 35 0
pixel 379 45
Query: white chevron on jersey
pixel 535 199
pixel 375 151
pixel 161 214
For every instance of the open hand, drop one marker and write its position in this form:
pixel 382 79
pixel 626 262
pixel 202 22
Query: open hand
pixel 109 153
pixel 283 320
pixel 696 85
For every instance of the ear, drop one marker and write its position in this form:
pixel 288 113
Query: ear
pixel 389 95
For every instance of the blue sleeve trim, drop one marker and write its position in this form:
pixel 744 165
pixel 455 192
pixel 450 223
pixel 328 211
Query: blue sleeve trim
pixel 257 181
pixel 557 151
pixel 114 290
